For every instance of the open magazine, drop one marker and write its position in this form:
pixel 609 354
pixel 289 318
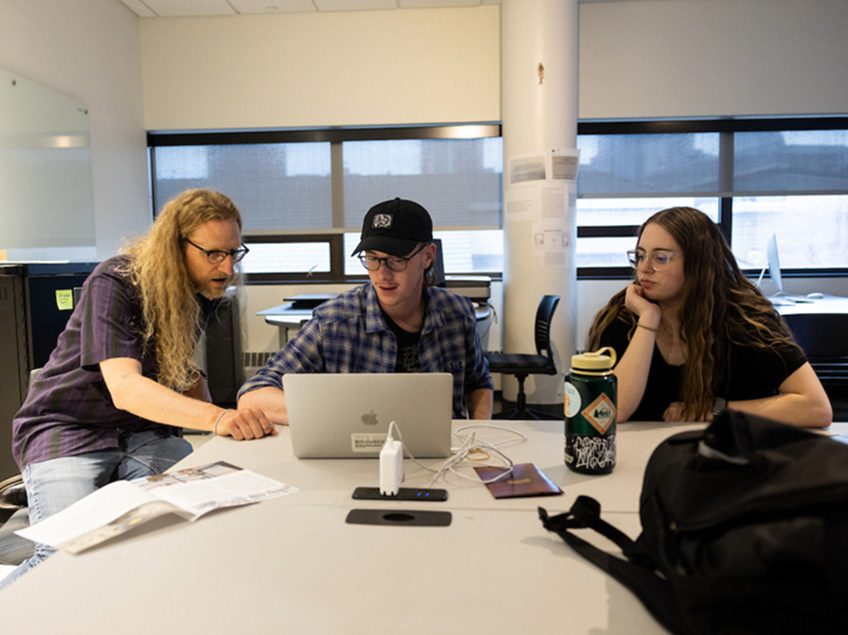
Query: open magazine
pixel 119 506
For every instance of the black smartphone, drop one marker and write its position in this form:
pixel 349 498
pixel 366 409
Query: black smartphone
pixel 404 494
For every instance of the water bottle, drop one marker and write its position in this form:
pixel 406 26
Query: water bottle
pixel 590 408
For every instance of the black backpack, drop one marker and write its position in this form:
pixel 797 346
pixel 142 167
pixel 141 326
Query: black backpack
pixel 744 530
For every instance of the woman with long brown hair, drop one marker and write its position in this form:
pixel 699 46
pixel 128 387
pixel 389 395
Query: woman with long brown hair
pixel 693 335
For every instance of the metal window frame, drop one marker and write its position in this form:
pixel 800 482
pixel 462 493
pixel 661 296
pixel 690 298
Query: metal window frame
pixel 336 136
pixel 726 129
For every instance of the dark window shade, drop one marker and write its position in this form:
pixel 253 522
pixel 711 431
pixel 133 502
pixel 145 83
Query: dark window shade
pixel 457 180
pixel 281 186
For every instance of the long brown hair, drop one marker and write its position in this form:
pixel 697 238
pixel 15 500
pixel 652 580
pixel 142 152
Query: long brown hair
pixel 721 307
pixel 157 266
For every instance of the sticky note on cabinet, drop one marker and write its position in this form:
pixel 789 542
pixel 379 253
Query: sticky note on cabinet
pixel 64 299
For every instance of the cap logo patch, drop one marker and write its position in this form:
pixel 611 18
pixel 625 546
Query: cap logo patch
pixel 381 221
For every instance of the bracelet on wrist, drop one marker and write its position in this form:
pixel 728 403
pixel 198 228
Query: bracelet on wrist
pixel 218 420
pixel 647 328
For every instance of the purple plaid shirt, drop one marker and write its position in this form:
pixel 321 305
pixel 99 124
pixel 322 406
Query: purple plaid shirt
pixel 349 335
pixel 68 410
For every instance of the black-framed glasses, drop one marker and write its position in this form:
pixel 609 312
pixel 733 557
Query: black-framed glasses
pixel 393 263
pixel 658 258
pixel 217 256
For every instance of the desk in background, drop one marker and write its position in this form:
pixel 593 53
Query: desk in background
pixel 820 327
pixel 297 309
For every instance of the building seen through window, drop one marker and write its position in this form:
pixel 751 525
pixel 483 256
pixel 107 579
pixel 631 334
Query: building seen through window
pixel 753 182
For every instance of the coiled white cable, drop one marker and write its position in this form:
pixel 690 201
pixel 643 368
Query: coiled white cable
pixel 469 446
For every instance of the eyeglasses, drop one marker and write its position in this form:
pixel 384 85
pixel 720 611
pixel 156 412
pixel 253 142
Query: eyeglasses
pixel 217 256
pixel 658 258
pixel 393 263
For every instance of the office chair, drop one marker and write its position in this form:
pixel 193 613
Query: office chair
pixel 14 514
pixel 523 364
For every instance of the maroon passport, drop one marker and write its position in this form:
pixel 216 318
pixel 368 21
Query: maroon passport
pixel 526 480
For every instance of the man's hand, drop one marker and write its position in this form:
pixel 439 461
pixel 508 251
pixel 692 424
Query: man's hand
pixel 244 424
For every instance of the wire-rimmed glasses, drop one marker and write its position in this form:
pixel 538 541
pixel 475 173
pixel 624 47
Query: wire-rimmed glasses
pixel 217 256
pixel 657 259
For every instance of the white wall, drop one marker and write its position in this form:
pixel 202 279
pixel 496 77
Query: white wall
pixel 695 58
pixel 89 50
pixel 324 69
pixel 652 58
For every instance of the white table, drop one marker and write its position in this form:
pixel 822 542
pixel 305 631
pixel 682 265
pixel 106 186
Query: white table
pixel 826 304
pixel 293 565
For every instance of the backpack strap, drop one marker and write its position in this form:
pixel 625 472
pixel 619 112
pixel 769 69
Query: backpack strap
pixel 636 573
pixel 585 513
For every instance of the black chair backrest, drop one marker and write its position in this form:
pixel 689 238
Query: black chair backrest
pixel 821 335
pixel 544 316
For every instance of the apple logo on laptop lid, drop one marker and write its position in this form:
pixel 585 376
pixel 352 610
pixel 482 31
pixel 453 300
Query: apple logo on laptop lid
pixel 369 418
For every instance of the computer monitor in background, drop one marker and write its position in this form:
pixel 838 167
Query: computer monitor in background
pixel 779 298
pixel 774 265
pixel 439 265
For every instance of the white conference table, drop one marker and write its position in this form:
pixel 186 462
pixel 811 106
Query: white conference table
pixel 292 564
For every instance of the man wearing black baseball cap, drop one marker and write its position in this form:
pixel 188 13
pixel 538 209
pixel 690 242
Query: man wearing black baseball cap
pixel 396 322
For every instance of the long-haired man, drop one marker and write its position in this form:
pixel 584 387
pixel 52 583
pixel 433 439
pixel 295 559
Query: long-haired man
pixel 123 380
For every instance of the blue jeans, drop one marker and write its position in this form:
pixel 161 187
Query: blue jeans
pixel 57 483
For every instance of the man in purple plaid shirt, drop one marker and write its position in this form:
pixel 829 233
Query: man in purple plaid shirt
pixel 122 381
pixel 395 323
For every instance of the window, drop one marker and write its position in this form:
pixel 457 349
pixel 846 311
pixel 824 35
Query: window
pixel 457 180
pixel 277 186
pixel 755 178
pixel 811 231
pixel 464 252
pixel 793 184
pixel 304 193
pixel 598 247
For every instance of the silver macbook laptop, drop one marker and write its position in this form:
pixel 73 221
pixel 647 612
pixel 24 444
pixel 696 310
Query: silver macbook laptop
pixel 348 415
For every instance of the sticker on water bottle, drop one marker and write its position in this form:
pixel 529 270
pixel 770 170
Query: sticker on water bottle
pixel 572 400
pixel 600 413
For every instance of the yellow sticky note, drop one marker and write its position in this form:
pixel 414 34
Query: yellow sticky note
pixel 64 299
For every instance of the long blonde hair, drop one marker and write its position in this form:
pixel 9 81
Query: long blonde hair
pixel 721 307
pixel 157 266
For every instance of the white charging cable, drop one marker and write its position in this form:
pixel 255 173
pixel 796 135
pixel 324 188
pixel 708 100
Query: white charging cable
pixel 469 446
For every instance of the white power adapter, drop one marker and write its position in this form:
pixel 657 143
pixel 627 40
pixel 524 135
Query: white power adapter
pixel 391 466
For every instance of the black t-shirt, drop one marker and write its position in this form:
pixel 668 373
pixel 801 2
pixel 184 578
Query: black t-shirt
pixel 753 373
pixel 407 348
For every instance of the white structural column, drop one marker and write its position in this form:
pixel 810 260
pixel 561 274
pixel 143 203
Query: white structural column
pixel 539 66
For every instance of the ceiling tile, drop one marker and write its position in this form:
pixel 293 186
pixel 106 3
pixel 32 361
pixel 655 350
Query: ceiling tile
pixel 175 8
pixel 434 4
pixel 273 6
pixel 354 5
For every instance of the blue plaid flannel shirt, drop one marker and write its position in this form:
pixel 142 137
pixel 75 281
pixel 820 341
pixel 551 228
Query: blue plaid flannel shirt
pixel 349 335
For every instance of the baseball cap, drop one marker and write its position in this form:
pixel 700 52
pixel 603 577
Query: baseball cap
pixel 395 227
